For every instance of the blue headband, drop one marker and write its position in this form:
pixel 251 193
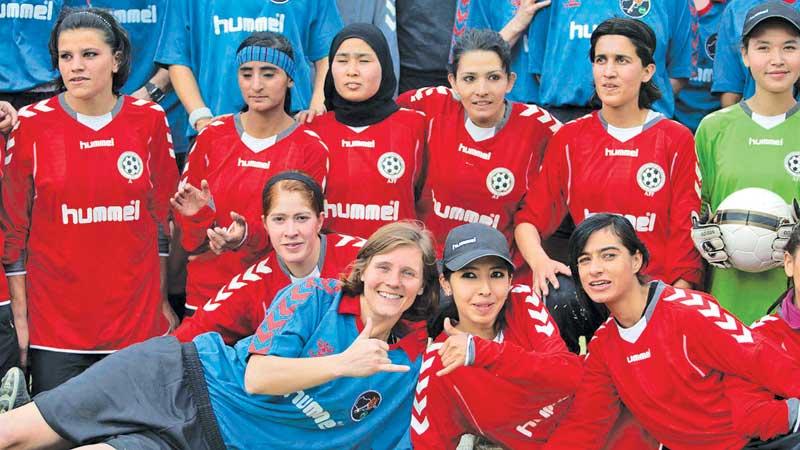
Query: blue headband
pixel 264 54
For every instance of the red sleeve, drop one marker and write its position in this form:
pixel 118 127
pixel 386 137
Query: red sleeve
pixel 18 190
pixel 545 202
pixel 715 339
pixel 756 411
pixel 194 227
pixel 433 422
pixel 547 362
pixel 234 311
pixel 430 100
pixel 594 411
pixel 684 260
pixel 163 171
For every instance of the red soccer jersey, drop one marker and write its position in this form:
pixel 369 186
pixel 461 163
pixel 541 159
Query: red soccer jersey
pixel 756 411
pixel 236 175
pixel 86 206
pixel 667 370
pixel 469 181
pixel 239 306
pixel 519 387
pixel 375 171
pixel 652 179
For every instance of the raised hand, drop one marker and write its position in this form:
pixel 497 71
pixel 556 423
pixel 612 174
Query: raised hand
pixel 189 200
pixel 367 356
pixel 453 352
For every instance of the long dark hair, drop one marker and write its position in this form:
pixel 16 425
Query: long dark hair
pixel 620 227
pixel 269 39
pixel 643 39
pixel 113 34
pixel 436 323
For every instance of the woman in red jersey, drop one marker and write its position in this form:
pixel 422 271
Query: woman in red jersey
pixel 377 149
pixel 624 159
pixel 87 182
pixel 496 335
pixel 483 150
pixel 230 163
pixel 758 413
pixel 663 353
pixel 293 216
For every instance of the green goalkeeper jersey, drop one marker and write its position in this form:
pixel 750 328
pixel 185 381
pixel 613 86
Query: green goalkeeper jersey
pixel 736 152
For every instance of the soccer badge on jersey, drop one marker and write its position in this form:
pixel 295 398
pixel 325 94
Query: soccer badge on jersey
pixel 500 182
pixel 651 178
pixel 635 8
pixel 391 166
pixel 130 166
pixel 792 164
pixel 711 46
pixel 365 404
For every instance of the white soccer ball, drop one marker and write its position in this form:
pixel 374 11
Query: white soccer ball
pixel 748 220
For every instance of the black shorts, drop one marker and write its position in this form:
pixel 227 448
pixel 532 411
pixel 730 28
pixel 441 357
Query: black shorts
pixel 9 350
pixel 148 396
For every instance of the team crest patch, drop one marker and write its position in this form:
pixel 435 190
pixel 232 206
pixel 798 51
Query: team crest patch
pixel 391 166
pixel 130 166
pixel 711 46
pixel 365 404
pixel 651 178
pixel 500 182
pixel 635 8
pixel 792 164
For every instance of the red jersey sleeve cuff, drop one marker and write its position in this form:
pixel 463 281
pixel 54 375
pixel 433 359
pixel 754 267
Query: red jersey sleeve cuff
pixel 205 217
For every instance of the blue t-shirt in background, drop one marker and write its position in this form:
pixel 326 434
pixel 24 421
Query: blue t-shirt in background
pixel 24 32
pixel 494 15
pixel 205 35
pixel 308 319
pixel 695 100
pixel 730 73
pixel 144 21
pixel 563 63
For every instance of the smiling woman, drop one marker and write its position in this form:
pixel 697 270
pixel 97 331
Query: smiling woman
pixel 497 334
pixel 663 354
pixel 230 163
pixel 333 365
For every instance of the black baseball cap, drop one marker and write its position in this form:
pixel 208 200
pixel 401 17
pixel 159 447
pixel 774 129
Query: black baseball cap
pixel 773 9
pixel 466 243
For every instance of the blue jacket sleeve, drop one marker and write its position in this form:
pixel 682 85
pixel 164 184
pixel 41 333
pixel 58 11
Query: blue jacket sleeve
pixel 324 26
pixel 729 70
pixel 537 39
pixel 175 47
pixel 679 55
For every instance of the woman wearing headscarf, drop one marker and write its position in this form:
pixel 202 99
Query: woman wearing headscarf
pixel 372 141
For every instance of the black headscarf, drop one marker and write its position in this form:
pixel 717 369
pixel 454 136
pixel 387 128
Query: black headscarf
pixel 379 106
